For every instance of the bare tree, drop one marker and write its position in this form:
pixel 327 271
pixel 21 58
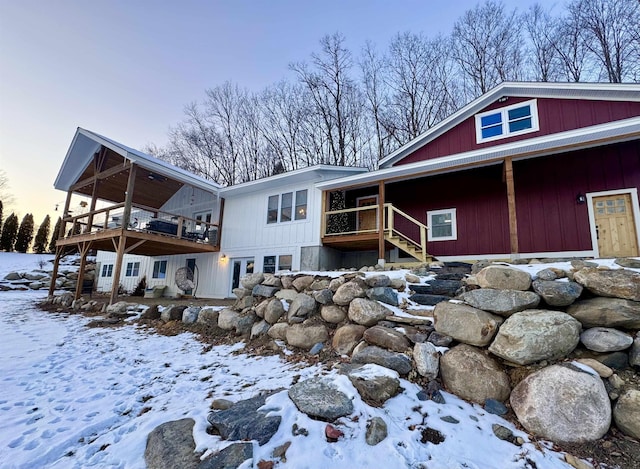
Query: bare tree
pixel 611 34
pixel 570 45
pixel 5 193
pixel 543 54
pixel 373 67
pixel 487 46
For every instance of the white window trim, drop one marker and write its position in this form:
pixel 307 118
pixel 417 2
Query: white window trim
pixel 166 271
pixel 535 123
pixel 454 225
pixel 293 207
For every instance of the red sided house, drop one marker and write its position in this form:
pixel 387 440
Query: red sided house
pixel 526 170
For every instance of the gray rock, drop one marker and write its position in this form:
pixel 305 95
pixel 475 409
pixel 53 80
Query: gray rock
pixel 634 353
pixel 231 457
pixel 384 294
pixel 440 340
pixel 305 337
pixel 547 274
pixel 301 307
pixel 228 319
pixel 303 282
pixel 377 281
pixel 208 316
pixel 36 285
pixel 12 276
pixel 241 292
pixel 472 375
pixel 618 283
pixel 626 413
pixel 615 360
pixel 536 334
pixel 251 280
pixel 563 403
pixel 427 359
pixel 286 281
pixel 347 337
pixel 244 303
pixel 557 293
pixel 605 339
pixel 578 264
pixel 465 323
pixel 607 312
pixel 259 328
pixel 245 323
pixel 274 311
pixel 121 307
pixel 366 312
pixel 271 280
pixel 324 296
pixel 221 404
pixel 502 277
pixel 495 407
pixel 190 314
pixel 335 283
pixel 287 295
pixel 502 432
pixel 379 356
pixel 438 287
pixel 279 331
pixel 171 445
pixel 628 262
pixel 375 384
pixel 264 291
pixel 152 312
pixel 346 293
pixel 387 338
pixel 428 300
pixel 320 284
pixel 333 314
pixel 376 431
pixel 502 302
pixel 318 397
pixel 243 421
pixel 172 313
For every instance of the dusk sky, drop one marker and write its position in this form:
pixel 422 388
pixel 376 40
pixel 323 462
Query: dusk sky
pixel 125 69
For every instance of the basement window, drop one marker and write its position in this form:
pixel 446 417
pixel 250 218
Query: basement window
pixel 159 269
pixel 508 121
pixel 133 269
pixel 107 270
pixel 442 225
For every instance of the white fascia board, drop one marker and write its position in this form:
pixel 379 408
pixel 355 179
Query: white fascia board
pixel 310 173
pixel 75 161
pixel 592 91
pixel 585 137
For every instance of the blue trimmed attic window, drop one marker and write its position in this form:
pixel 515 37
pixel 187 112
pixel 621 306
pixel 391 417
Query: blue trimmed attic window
pixel 505 122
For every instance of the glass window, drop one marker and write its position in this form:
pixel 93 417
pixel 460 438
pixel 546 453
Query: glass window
pixel 269 265
pixel 442 225
pixel 107 270
pixel 159 269
pixel 272 209
pixel 510 120
pixel 284 262
pixel 285 206
pixel 301 205
pixel 133 269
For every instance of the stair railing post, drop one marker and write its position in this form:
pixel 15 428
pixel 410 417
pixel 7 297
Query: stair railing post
pixel 423 243
pixel 390 219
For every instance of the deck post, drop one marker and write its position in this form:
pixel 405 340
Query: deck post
pixel 56 265
pixel 511 203
pixel 220 219
pixel 65 213
pixel 117 268
pixel 381 215
pixel 84 249
pixel 323 210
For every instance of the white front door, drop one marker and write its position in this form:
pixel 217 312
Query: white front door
pixel 239 268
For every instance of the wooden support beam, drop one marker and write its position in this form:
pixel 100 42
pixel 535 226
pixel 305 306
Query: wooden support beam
pixel 220 218
pixel 135 245
pixel 381 202
pixel 511 203
pixel 84 249
pixel 126 215
pixel 323 211
pixel 118 268
pixel 102 175
pixel 56 265
pixel 65 213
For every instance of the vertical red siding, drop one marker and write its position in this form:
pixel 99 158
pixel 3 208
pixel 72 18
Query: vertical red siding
pixel 555 115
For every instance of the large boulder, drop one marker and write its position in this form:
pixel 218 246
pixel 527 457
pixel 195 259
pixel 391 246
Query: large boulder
pixel 208 316
pixel 618 283
pixel 172 313
pixel 347 337
pixel 377 281
pixel 607 312
pixel 366 312
pixel 470 374
pixel 385 294
pixel 303 282
pixel 274 311
pixel 438 287
pixel 605 339
pixel 634 353
pixel 190 314
pixel 387 338
pixel 333 314
pixel 301 307
pixel 264 291
pixel 502 277
pixel 563 403
pixel 251 280
pixel 557 293
pixel 379 356
pixel 279 331
pixel 243 421
pixel 320 398
pixel 374 383
pixel 502 302
pixel 306 336
pixel 427 359
pixel 465 323
pixel 231 456
pixel 346 293
pixel 626 413
pixel 171 445
pixel 228 319
pixel 536 334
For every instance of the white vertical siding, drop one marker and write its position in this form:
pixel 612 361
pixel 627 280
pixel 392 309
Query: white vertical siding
pixel 130 283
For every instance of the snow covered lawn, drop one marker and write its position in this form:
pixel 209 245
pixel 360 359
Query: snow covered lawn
pixel 77 397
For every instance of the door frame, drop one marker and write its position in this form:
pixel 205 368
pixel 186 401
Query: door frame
pixel 358 200
pixel 243 270
pixel 633 192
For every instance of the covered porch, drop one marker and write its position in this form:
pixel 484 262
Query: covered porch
pixel 127 202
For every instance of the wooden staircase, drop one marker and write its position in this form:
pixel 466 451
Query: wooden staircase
pixel 414 248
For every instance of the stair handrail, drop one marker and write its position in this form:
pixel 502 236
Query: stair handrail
pixel 390 209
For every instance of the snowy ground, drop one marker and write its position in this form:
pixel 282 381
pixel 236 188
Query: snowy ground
pixel 77 397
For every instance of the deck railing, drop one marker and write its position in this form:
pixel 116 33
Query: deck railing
pixel 144 219
pixel 350 221
pixel 404 226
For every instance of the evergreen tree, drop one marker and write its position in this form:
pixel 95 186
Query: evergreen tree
pixel 0 216
pixel 54 236
pixel 40 243
pixel 25 234
pixel 9 233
